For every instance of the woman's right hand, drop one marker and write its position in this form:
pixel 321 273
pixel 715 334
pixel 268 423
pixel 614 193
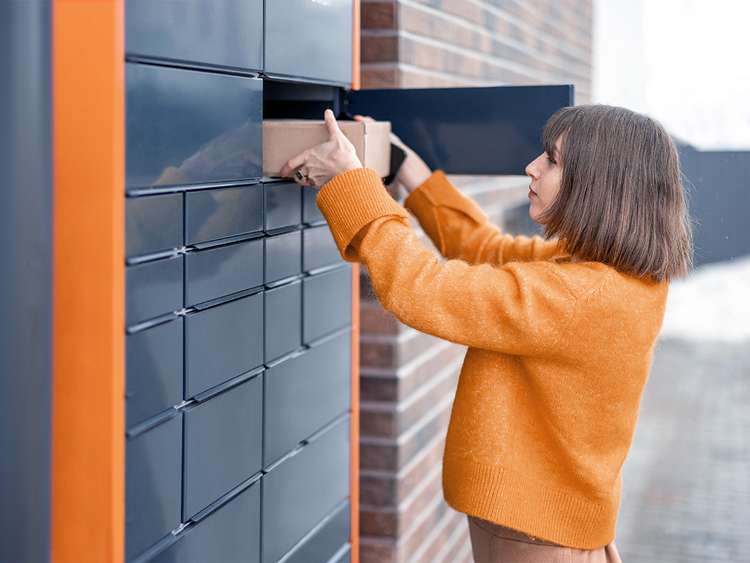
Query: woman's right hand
pixel 413 171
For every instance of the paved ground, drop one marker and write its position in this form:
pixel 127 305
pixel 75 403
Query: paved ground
pixel 686 482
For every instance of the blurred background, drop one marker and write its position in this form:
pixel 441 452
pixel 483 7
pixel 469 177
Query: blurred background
pixel 686 483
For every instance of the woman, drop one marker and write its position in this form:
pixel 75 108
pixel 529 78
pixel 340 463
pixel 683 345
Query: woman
pixel 560 331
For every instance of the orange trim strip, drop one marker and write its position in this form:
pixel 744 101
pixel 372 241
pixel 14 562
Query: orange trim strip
pixel 354 466
pixel 88 434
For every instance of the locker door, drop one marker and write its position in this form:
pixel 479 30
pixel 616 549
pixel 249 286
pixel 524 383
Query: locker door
pixel 483 130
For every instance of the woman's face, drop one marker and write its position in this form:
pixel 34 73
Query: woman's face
pixel 545 172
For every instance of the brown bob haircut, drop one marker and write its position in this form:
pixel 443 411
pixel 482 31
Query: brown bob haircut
pixel 621 198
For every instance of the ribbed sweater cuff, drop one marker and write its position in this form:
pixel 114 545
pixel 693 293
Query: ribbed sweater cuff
pixel 350 201
pixel 437 190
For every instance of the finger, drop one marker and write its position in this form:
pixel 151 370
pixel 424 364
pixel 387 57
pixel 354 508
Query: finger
pixel 293 164
pixel 331 124
pixel 363 118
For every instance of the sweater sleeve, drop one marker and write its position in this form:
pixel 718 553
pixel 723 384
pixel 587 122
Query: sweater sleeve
pixel 460 229
pixel 519 308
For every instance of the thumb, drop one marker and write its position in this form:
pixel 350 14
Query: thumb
pixel 331 124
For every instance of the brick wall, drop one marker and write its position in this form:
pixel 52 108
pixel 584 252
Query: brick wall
pixel 408 378
pixel 426 43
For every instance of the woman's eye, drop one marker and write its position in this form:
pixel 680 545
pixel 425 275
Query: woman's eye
pixel 552 160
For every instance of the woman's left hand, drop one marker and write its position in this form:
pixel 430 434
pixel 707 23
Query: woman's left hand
pixel 317 165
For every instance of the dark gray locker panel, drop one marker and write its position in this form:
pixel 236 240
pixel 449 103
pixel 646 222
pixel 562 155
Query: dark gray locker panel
pixel 305 392
pixel 327 540
pixel 345 555
pixel 220 213
pixel 219 32
pixel 283 205
pixel 28 167
pixel 309 39
pixel 153 485
pixel 231 534
pixel 483 130
pixel 153 224
pixel 318 248
pixel 215 272
pixel 283 256
pixel 223 342
pixel 154 371
pixel 326 302
pixel 222 443
pixel 153 289
pixel 302 489
pixel 188 127
pixel 283 325
pixel 310 210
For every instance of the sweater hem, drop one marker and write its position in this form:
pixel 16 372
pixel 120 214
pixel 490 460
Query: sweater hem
pixel 505 497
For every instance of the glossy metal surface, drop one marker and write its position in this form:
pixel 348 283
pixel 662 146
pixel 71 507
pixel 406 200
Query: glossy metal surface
pixel 153 485
pixel 283 322
pixel 283 205
pixel 153 289
pixel 222 443
pixel 326 302
pixel 283 256
pixel 219 32
pixel 26 282
pixel 483 130
pixel 153 371
pixel 223 342
pixel 220 213
pixel 326 541
pixel 305 392
pixel 187 126
pixel 153 224
pixel 310 39
pixel 290 505
pixel 318 248
pixel 220 271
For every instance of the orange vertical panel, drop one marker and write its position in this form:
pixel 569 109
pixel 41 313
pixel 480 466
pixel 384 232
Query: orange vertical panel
pixel 354 466
pixel 88 337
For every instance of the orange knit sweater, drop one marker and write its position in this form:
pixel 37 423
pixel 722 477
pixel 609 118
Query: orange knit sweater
pixel 558 352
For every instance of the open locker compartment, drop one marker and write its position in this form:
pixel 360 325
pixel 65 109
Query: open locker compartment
pixel 486 130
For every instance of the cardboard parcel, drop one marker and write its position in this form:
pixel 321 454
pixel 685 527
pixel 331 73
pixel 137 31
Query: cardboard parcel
pixel 284 139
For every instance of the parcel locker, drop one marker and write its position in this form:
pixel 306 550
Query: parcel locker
pixel 222 213
pixel 283 256
pixel 309 40
pixel 223 342
pixel 153 224
pixel 188 127
pixel 223 434
pixel 283 205
pixel 153 483
pixel 219 271
pixel 326 302
pixel 153 371
pixel 283 320
pixel 303 393
pixel 153 289
pixel 310 211
pixel 318 248
pixel 225 33
pixel 329 539
pixel 228 534
pixel 303 488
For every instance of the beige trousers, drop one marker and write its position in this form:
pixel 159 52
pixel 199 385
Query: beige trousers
pixel 492 543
